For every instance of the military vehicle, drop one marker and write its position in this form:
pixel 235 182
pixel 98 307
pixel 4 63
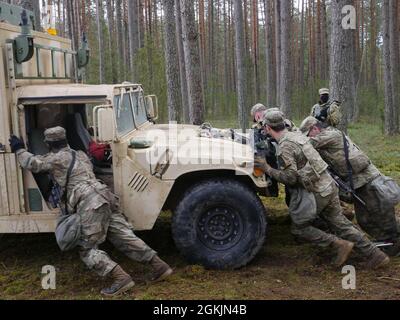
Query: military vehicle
pixel 217 218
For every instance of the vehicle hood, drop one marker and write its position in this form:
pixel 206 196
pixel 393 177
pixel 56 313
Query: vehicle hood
pixel 184 143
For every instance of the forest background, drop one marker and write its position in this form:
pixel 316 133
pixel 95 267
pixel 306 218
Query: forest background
pixel 211 60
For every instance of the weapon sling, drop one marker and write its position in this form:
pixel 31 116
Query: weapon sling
pixel 67 180
pixel 350 169
pixel 348 164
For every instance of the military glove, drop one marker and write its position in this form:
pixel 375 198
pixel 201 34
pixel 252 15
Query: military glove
pixel 262 164
pixel 16 143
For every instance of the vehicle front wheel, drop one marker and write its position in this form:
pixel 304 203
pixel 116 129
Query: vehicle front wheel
pixel 220 224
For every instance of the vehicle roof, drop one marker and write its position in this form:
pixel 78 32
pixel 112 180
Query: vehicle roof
pixel 67 93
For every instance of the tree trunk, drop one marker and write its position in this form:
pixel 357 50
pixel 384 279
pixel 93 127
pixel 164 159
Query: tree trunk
pixel 133 35
pixel 284 87
pixel 269 55
pixel 182 67
pixel 240 64
pixel 342 63
pixel 99 19
pixel 111 40
pixel 171 57
pixel 325 42
pixel 394 62
pixel 226 59
pixel 202 32
pixel 278 50
pixel 120 46
pixel 302 48
pixel 389 124
pixel 192 63
pixel 373 48
pixel 254 20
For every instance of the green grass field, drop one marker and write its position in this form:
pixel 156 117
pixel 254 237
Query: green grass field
pixel 282 270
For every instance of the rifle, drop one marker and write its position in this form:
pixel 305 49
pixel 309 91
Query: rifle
pixel 56 196
pixel 342 185
pixel 322 115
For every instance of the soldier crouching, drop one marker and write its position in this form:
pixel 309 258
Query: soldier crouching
pixel 100 214
pixel 313 193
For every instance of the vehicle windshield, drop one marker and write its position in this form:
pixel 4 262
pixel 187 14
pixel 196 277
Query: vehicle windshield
pixel 139 108
pixel 130 112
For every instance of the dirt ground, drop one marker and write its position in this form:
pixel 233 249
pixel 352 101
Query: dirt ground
pixel 282 270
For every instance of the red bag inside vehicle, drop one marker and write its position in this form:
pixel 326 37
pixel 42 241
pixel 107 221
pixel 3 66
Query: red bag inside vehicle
pixel 98 151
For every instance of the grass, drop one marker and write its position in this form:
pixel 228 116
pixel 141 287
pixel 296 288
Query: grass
pixel 282 270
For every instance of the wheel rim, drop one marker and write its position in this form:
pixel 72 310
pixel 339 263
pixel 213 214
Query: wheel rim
pixel 220 227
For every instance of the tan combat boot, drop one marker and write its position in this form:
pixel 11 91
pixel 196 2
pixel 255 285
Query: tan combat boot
pixel 343 249
pixel 161 269
pixel 378 260
pixel 122 282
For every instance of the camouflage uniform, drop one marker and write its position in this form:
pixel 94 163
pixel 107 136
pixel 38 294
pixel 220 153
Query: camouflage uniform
pixel 332 109
pixel 297 170
pixel 101 217
pixel 377 221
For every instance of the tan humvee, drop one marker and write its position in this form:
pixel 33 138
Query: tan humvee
pixel 218 220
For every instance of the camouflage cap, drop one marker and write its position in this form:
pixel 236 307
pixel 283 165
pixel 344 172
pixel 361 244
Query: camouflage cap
pixel 54 134
pixel 256 108
pixel 273 118
pixel 274 109
pixel 307 124
pixel 323 91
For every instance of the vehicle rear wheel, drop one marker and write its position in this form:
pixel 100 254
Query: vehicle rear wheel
pixel 220 224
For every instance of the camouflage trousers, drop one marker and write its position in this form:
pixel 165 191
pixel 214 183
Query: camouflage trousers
pixel 104 223
pixel 376 219
pixel 330 211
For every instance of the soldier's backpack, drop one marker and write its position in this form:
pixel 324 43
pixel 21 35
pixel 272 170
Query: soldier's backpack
pixel 302 206
pixel 68 229
pixel 388 191
pixel 315 166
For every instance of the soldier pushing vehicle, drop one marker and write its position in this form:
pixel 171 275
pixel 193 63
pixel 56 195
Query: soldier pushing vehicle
pixel 374 209
pixel 313 193
pixel 100 217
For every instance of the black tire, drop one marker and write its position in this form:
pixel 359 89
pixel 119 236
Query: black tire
pixel 220 224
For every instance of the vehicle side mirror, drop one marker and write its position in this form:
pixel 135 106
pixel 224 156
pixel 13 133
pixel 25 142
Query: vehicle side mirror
pixel 152 107
pixel 103 124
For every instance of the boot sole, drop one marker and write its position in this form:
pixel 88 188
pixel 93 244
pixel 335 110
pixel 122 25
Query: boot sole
pixel 381 264
pixel 164 275
pixel 349 249
pixel 125 288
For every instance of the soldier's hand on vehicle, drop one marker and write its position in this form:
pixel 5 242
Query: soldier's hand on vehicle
pixel 16 143
pixel 261 163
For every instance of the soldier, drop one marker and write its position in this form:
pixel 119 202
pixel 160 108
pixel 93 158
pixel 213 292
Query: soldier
pixel 313 189
pixel 327 111
pixel 288 123
pixel 356 169
pixel 257 112
pixel 101 217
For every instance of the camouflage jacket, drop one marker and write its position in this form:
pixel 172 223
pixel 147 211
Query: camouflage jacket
pixel 301 165
pixel 330 144
pixel 84 190
pixel 333 115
